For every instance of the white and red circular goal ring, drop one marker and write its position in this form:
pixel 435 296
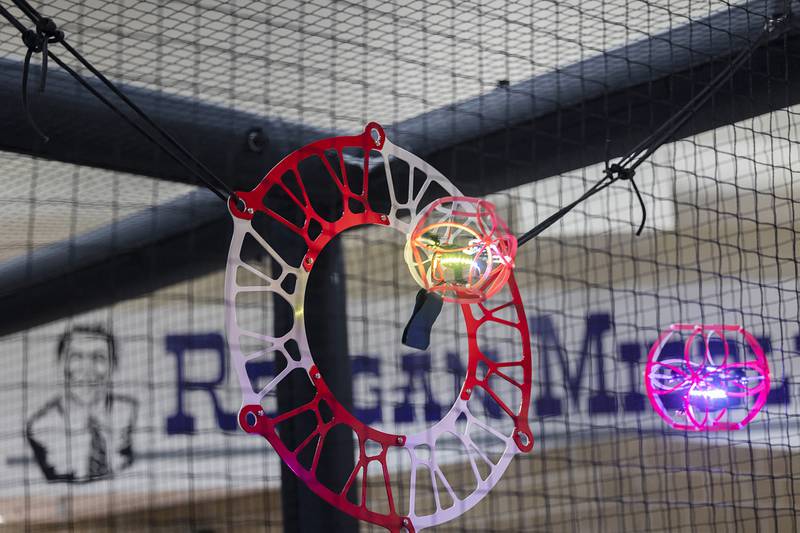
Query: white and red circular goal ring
pixel 421 446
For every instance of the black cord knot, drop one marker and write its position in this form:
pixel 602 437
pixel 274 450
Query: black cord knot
pixel 33 40
pixel 46 26
pixel 46 32
pixel 778 22
pixel 49 30
pixel 615 172
pixel 37 40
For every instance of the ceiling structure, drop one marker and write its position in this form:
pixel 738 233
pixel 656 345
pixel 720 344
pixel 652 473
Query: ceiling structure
pixel 214 71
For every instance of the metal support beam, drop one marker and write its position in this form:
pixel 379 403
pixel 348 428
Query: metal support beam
pixel 600 88
pixel 560 121
pixel 610 125
pixel 678 50
pixel 157 247
pixel 545 126
pixel 239 147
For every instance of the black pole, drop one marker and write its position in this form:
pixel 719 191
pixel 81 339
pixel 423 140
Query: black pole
pixel 326 326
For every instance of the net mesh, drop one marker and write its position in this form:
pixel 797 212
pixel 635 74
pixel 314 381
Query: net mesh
pixel 719 247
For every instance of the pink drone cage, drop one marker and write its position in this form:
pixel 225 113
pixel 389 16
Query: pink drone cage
pixel 424 448
pixel 468 232
pixel 706 391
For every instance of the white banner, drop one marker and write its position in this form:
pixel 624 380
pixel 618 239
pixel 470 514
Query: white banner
pixel 152 404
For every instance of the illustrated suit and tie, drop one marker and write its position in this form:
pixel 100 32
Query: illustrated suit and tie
pixel 85 433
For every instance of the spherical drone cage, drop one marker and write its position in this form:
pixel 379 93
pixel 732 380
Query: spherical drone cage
pixel 484 256
pixel 701 392
pixel 483 369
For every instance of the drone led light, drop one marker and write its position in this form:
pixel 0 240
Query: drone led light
pixel 706 391
pixel 461 249
pixel 425 448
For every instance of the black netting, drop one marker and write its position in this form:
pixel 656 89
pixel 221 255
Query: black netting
pixel 119 398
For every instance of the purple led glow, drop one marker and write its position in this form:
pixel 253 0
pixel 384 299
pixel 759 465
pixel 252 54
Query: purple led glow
pixel 709 394
pixel 706 391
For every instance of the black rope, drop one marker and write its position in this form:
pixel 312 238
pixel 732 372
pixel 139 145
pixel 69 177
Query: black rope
pixel 625 168
pixel 12 19
pixel 555 217
pixel 133 124
pixel 122 96
pixel 37 41
pixel 50 34
pixel 47 32
pixel 25 104
pixel 28 9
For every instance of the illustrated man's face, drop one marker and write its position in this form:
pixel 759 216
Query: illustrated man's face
pixel 87 360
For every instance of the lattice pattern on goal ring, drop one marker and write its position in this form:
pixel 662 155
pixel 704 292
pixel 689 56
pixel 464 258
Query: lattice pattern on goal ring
pixel 405 202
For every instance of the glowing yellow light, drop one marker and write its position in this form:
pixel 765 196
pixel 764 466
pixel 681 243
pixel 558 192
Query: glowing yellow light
pixel 461 249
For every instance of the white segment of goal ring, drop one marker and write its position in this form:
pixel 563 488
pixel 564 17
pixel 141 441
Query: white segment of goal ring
pixel 459 422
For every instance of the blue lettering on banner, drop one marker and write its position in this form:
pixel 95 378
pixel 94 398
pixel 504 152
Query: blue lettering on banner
pixel 415 368
pixel 601 401
pixel 549 345
pixel 182 423
pixel 631 354
pixel 370 366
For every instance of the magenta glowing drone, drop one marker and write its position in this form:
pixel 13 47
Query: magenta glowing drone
pixel 707 382
pixel 463 249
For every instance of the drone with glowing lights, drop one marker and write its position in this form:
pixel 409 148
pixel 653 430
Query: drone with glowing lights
pixel 706 383
pixel 458 249
pixel 461 250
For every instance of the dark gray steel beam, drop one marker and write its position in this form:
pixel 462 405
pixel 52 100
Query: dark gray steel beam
pixel 239 147
pixel 600 88
pixel 611 125
pixel 677 50
pixel 157 247
pixel 560 121
pixel 548 125
pixel 154 248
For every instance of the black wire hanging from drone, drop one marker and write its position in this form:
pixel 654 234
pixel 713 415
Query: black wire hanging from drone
pixel 46 33
pixel 625 168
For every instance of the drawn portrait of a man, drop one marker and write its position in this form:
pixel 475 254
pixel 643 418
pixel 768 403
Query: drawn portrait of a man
pixel 85 432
